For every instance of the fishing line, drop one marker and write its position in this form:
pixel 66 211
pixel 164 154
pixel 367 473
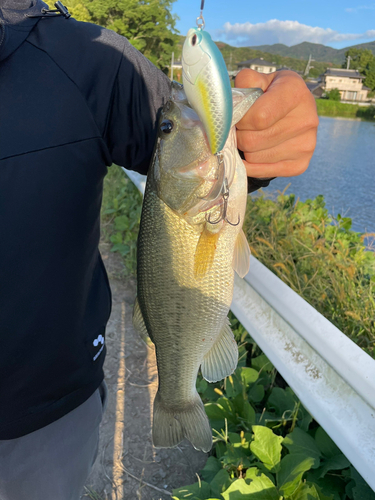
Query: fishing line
pixel 200 19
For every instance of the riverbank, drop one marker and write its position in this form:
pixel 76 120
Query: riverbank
pixel 326 107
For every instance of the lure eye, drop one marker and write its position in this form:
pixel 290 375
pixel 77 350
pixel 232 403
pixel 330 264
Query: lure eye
pixel 166 126
pixel 194 40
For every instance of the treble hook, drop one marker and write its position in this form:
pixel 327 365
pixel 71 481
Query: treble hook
pixel 201 18
pixel 224 208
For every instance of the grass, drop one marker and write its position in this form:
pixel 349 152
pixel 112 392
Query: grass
pixel 327 107
pixel 320 258
pixel 121 212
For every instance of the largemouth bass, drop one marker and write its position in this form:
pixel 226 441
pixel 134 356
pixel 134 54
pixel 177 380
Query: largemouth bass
pixel 189 245
pixel 207 86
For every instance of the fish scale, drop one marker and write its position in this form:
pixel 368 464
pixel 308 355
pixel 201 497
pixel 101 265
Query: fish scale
pixel 182 307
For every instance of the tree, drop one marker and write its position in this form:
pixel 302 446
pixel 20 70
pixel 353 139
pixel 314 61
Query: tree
pixel 370 75
pixel 149 25
pixel 364 61
pixel 333 95
pixel 359 58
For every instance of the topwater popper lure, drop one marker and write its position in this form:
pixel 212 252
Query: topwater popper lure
pixel 206 84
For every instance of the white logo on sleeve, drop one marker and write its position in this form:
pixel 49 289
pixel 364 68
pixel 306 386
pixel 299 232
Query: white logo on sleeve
pixel 96 342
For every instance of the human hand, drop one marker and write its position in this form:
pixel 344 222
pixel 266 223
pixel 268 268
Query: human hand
pixel 278 133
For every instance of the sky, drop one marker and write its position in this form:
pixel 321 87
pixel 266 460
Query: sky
pixel 242 23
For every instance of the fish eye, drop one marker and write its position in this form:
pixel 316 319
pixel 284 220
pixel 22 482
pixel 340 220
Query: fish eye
pixel 166 126
pixel 194 40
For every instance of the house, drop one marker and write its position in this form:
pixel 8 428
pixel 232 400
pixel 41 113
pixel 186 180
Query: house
pixel 259 64
pixel 347 81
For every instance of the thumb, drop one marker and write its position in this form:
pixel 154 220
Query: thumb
pixel 249 78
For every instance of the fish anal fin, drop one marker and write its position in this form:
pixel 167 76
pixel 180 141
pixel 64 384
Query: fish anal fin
pixel 222 359
pixel 241 255
pixel 171 426
pixel 139 324
pixel 205 252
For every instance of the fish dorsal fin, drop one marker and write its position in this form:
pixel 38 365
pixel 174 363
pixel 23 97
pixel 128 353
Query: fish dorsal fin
pixel 241 255
pixel 205 252
pixel 243 99
pixel 221 360
pixel 139 324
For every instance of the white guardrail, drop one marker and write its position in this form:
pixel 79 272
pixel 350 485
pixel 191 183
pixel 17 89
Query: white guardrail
pixel 332 376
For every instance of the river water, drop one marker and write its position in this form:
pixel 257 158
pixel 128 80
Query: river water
pixel 342 170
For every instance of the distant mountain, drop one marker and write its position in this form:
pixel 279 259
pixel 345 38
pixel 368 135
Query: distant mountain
pixel 235 55
pixel 318 51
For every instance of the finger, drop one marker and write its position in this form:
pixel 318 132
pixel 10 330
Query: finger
pixel 285 92
pixel 249 78
pixel 280 132
pixel 292 149
pixel 289 168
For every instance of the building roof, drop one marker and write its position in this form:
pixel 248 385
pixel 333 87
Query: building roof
pixel 365 88
pixel 258 60
pixel 312 85
pixel 348 73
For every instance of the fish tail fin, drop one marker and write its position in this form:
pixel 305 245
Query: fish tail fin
pixel 171 426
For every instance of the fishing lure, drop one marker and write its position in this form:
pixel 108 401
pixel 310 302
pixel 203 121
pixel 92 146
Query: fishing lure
pixel 207 85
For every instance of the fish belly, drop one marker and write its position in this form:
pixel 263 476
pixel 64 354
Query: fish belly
pixel 184 316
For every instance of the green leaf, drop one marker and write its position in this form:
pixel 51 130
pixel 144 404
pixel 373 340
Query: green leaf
pixel 195 491
pixel 122 223
pixel 220 483
pixel 361 490
pixel 305 492
pixel 256 393
pixel 234 438
pixel 244 410
pixel 233 386
pixel 299 441
pixel 304 419
pixel 260 488
pixel 292 468
pixel 237 455
pixel 338 462
pixel 202 385
pixel 212 467
pixel 262 363
pixel 325 444
pixel 333 486
pixel 320 493
pixel 116 238
pixel 266 447
pixel 248 376
pixel 282 401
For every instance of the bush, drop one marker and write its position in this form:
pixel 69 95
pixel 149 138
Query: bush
pixel 333 95
pixel 367 113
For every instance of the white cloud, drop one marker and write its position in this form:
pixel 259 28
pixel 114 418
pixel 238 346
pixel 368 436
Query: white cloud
pixel 361 7
pixel 286 32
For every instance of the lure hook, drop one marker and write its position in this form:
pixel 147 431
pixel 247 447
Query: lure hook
pixel 200 19
pixel 224 208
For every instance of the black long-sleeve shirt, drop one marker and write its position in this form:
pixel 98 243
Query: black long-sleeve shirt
pixel 74 98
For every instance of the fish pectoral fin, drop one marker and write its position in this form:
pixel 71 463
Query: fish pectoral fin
pixel 222 359
pixel 140 326
pixel 205 252
pixel 241 255
pixel 171 426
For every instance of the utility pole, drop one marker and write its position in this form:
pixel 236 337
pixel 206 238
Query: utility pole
pixel 348 63
pixel 308 66
pixel 172 63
